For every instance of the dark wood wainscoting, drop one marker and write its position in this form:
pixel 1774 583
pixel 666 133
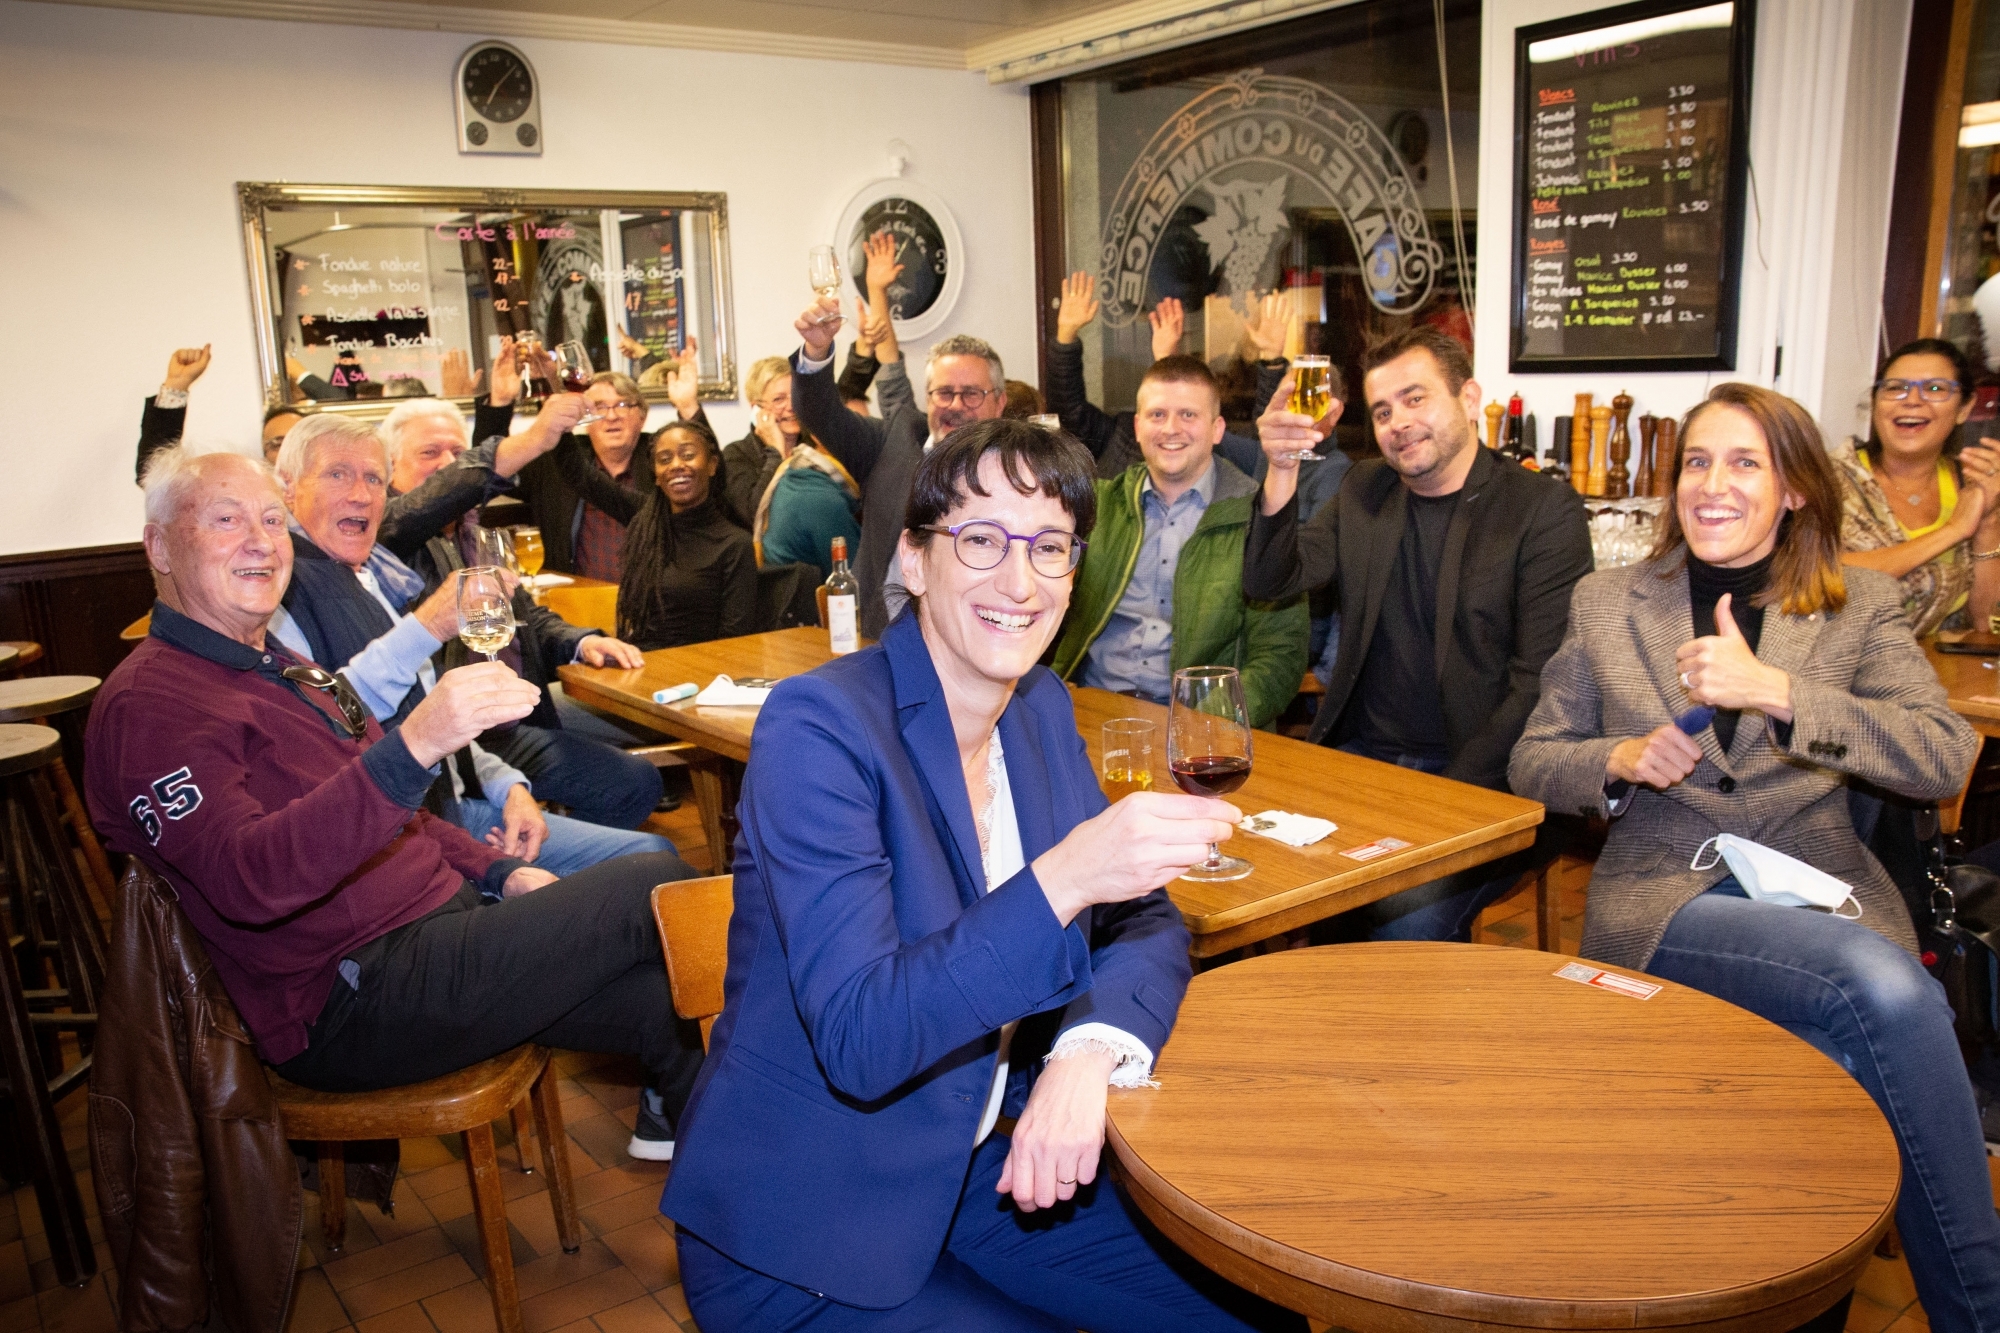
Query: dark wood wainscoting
pixel 74 603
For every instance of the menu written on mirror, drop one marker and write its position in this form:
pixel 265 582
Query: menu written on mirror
pixel 1629 152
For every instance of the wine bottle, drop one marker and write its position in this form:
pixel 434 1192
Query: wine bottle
pixel 842 593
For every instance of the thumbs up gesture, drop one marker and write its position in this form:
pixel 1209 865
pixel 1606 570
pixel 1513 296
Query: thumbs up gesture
pixel 1720 670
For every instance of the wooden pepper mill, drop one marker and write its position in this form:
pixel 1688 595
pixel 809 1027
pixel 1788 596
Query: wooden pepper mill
pixel 1600 437
pixel 1579 445
pixel 1667 450
pixel 1649 427
pixel 1494 411
pixel 1617 480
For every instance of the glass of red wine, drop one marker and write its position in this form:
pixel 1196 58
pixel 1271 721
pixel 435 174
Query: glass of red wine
pixel 574 372
pixel 1208 749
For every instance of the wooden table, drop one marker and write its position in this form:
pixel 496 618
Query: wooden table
pixel 585 603
pixel 1450 826
pixel 1405 1137
pixel 1966 676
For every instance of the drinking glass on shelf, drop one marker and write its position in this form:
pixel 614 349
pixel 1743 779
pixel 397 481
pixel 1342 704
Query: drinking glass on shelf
pixel 823 272
pixel 1312 394
pixel 1208 749
pixel 1128 756
pixel 485 611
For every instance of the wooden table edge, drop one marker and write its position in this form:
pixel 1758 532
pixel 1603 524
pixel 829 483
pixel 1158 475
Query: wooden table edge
pixel 1371 1304
pixel 1219 932
pixel 673 722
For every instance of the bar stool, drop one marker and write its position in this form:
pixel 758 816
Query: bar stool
pixel 37 699
pixel 51 919
pixel 27 653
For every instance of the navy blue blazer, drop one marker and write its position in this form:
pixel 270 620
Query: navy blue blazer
pixel 829 1134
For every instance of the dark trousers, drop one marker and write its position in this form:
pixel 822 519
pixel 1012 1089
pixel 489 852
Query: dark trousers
pixel 575 964
pixel 1094 1263
pixel 601 784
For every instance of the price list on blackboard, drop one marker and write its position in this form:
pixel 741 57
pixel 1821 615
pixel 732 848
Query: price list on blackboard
pixel 1628 167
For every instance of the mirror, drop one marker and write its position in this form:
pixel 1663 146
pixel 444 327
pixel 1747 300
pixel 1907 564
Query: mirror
pixel 361 292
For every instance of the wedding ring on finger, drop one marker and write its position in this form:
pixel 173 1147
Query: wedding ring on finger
pixel 1686 684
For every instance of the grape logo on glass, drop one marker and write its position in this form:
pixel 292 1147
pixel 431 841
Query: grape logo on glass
pixel 1248 143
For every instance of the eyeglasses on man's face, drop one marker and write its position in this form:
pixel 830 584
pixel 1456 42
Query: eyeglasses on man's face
pixel 946 395
pixel 982 544
pixel 352 710
pixel 1931 391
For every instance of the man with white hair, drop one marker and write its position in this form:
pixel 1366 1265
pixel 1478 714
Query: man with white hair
pixel 964 382
pixel 365 942
pixel 354 607
pixel 599 782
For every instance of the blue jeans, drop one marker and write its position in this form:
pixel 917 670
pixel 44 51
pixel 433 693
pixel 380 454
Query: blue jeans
pixel 600 783
pixel 572 845
pixel 1092 1263
pixel 1870 1006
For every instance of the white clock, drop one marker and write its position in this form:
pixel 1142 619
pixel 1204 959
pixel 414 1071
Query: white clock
pixel 499 101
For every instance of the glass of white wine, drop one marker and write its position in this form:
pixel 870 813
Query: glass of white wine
pixel 823 272
pixel 485 611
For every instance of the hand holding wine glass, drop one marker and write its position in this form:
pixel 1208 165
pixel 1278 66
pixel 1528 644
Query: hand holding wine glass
pixel 1208 749
pixel 485 611
pixel 823 272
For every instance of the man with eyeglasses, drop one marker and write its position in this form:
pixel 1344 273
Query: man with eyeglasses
pixel 365 942
pixel 1162 584
pixel 964 382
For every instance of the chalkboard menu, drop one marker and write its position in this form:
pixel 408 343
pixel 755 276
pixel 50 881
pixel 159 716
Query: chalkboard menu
pixel 1630 144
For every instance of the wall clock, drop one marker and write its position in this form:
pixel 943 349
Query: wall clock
pixel 927 245
pixel 499 101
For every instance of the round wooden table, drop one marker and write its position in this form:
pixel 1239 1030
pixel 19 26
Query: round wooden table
pixel 1403 1137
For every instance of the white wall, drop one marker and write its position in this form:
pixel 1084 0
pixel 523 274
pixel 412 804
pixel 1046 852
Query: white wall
pixel 122 135
pixel 1826 91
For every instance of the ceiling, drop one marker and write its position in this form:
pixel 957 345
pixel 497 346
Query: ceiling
pixel 1010 39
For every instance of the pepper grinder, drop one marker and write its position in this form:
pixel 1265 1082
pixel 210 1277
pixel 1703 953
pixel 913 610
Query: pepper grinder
pixel 1494 411
pixel 1617 480
pixel 1579 445
pixel 1600 435
pixel 1648 428
pixel 1667 451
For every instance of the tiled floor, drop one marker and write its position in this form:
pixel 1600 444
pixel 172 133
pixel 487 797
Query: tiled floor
pixel 420 1271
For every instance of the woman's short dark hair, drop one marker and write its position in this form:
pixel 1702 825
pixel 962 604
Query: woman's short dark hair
pixel 1805 576
pixel 1035 458
pixel 1961 364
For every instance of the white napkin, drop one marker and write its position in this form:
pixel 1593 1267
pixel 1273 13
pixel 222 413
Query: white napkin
pixel 550 581
pixel 722 692
pixel 1292 830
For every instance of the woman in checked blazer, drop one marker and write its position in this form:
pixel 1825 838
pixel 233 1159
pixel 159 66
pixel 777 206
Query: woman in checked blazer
pixel 1803 675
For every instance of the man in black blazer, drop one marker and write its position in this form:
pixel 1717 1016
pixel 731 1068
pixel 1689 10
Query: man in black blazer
pixel 964 383
pixel 1453 569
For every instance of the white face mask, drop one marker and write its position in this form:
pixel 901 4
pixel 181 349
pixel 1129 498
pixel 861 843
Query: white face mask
pixel 1769 876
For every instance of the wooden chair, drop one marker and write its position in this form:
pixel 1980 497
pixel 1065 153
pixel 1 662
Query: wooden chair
pixel 693 917
pixel 467 1102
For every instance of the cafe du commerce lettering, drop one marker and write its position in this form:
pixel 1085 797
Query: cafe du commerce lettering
pixel 1255 145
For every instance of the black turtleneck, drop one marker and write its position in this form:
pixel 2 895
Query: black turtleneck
pixel 1706 585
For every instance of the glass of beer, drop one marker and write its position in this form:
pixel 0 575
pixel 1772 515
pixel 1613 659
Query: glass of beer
pixel 1128 756
pixel 528 557
pixel 1312 394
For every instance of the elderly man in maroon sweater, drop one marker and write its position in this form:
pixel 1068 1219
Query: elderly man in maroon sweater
pixel 366 942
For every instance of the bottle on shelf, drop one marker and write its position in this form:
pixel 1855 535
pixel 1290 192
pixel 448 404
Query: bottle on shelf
pixel 1510 435
pixel 843 593
pixel 1531 456
pixel 1555 463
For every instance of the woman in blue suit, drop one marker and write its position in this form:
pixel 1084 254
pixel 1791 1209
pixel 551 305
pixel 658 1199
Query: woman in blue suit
pixel 940 926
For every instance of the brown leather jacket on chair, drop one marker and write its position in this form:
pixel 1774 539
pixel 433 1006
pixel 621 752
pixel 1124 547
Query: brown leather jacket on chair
pixel 195 1183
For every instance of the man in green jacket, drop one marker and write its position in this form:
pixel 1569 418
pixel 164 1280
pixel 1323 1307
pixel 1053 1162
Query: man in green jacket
pixel 1161 585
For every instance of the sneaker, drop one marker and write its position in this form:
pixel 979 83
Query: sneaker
pixel 653 1135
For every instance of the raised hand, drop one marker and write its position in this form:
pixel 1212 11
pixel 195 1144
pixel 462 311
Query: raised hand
pixel 629 347
pixel 506 374
pixel 1269 323
pixel 186 365
pixel 1284 435
pixel 1720 670
pixel 817 325
pixel 467 701
pixel 1169 321
pixel 1130 849
pixel 1658 759
pixel 456 375
pixel 684 381
pixel 882 266
pixel 560 414
pixel 1077 307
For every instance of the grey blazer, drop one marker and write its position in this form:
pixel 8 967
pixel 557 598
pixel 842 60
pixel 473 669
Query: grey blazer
pixel 1865 704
